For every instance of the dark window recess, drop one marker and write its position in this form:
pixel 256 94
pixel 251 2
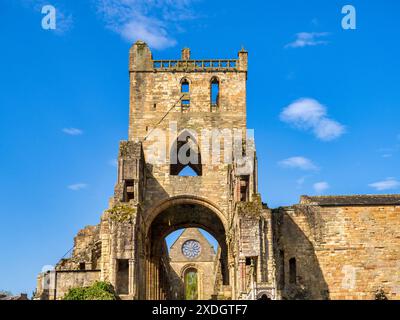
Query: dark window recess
pixel 82 266
pixel 292 270
pixel 130 190
pixel 244 188
pixel 194 167
pixel 122 276
pixel 185 86
pixel 155 106
pixel 248 261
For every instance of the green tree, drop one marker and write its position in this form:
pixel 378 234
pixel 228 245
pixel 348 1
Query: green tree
pixel 98 291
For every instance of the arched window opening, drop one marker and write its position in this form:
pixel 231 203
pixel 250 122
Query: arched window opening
pixel 185 157
pixel 185 86
pixel 185 89
pixel 187 171
pixel 292 271
pixel 214 92
pixel 191 284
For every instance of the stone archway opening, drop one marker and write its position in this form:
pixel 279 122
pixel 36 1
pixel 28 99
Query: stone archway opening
pixel 191 284
pixel 161 278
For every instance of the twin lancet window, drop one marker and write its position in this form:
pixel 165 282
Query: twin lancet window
pixel 214 94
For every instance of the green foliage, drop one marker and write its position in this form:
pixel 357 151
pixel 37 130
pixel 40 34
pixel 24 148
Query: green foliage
pixel 98 291
pixel 122 213
pixel 191 285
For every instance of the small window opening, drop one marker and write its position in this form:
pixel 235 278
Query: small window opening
pixel 292 271
pixel 130 190
pixel 155 106
pixel 214 92
pixel 185 86
pixel 185 104
pixel 82 266
pixel 244 188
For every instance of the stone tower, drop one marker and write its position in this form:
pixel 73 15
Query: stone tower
pixel 183 113
pixel 191 114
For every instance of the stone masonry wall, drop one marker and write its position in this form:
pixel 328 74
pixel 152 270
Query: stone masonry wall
pixel 341 252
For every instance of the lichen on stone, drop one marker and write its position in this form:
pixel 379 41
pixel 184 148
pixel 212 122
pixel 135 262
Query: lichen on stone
pixel 122 213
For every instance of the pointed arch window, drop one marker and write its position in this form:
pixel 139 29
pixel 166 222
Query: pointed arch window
pixel 185 157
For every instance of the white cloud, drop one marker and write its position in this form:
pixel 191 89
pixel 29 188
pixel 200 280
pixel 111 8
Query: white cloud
pixel 77 186
pixel 298 163
pixel 321 187
pixel 150 21
pixel 327 129
pixel 72 131
pixel 306 39
pixel 309 114
pixel 387 184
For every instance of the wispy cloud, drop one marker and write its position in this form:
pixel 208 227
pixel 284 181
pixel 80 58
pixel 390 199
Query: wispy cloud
pixel 387 184
pixel 72 131
pixel 77 186
pixel 298 163
pixel 150 21
pixel 321 187
pixel 307 39
pixel 309 114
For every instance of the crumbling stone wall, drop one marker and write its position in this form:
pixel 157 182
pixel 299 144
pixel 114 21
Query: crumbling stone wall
pixel 341 252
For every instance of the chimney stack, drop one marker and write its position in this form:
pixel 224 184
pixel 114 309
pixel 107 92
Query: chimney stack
pixel 185 54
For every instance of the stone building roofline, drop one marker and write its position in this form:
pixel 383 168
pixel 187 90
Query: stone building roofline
pixel 199 235
pixel 352 200
pixel 141 60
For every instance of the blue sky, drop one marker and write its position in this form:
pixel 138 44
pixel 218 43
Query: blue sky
pixel 324 103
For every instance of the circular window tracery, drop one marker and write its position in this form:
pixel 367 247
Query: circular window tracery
pixel 191 249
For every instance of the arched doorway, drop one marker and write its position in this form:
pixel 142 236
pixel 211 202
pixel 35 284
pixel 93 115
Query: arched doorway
pixel 191 284
pixel 168 217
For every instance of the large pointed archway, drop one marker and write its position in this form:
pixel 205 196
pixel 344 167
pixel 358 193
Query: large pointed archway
pixel 175 214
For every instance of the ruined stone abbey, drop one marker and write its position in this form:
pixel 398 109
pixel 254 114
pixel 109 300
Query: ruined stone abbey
pixel 325 247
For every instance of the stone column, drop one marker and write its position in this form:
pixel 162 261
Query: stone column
pixel 233 278
pixel 132 287
pixel 242 275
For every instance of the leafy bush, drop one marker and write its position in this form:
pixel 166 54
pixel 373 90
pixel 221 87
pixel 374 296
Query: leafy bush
pixel 98 291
